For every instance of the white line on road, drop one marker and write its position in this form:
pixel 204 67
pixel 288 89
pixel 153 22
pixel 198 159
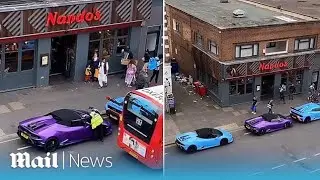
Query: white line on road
pixel 247 133
pixel 316 154
pixel 278 166
pixel 26 147
pixel 315 171
pixel 298 160
pixel 9 140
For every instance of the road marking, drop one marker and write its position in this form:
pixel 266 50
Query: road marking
pixel 278 166
pixel 316 154
pixel 9 140
pixel 26 147
pixel 8 136
pixel 256 173
pixel 247 133
pixel 2 133
pixel 315 171
pixel 239 129
pixel 298 160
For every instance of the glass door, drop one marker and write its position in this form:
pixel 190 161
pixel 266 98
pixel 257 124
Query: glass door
pixel 315 77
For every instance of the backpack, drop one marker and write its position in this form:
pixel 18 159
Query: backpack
pixel 152 65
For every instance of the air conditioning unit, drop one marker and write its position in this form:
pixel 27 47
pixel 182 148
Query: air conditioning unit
pixel 224 1
pixel 238 13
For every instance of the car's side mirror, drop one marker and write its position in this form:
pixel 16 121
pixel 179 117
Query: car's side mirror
pixel 108 98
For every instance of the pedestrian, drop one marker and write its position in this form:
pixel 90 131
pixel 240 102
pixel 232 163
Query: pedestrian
pixel 282 91
pixel 146 56
pixel 88 74
pixel 96 125
pixel 130 73
pixel 254 105
pixel 103 73
pixel 270 106
pixel 142 79
pixel 312 88
pixel 156 69
pixel 95 67
pixel 292 90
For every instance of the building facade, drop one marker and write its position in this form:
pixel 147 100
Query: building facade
pixel 43 39
pixel 238 58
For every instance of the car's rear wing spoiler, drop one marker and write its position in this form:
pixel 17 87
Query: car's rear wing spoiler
pixel 294 108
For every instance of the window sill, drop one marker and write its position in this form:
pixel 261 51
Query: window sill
pixel 275 53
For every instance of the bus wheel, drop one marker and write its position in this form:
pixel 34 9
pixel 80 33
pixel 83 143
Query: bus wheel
pixel 192 149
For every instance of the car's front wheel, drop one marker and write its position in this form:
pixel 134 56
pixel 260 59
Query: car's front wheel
pixel 223 142
pixel 192 149
pixel 307 120
pixel 51 145
pixel 262 132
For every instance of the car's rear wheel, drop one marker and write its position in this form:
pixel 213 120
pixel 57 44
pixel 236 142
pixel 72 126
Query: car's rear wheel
pixel 287 125
pixel 51 145
pixel 223 142
pixel 307 120
pixel 192 149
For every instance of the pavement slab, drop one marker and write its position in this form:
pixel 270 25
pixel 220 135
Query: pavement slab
pixel 16 106
pixel 4 109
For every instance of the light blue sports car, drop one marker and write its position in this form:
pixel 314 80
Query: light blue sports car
pixel 306 113
pixel 203 139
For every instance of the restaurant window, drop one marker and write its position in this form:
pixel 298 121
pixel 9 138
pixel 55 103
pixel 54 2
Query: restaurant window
pixel 28 54
pixel 240 87
pixel 122 44
pixel 304 44
pixel 233 88
pixel 284 78
pixel 11 57
pixel 94 46
pixel 213 47
pixel 246 50
pixel 249 86
pixel 95 36
pixel 107 50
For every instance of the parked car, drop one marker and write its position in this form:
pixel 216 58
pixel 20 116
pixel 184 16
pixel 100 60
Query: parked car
pixel 267 123
pixel 203 139
pixel 59 128
pixel 114 107
pixel 306 113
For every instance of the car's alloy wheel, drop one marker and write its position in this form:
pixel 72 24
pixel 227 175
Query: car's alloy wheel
pixel 51 145
pixel 262 132
pixel 192 149
pixel 223 142
pixel 307 120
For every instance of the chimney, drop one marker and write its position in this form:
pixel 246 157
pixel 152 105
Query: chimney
pixel 224 1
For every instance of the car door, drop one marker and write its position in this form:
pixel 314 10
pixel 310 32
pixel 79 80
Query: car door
pixel 315 114
pixel 275 124
pixel 214 141
pixel 79 131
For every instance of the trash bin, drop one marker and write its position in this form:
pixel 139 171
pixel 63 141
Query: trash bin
pixel 202 90
pixel 196 86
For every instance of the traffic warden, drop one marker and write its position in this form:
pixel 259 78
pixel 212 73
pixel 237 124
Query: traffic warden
pixel 96 125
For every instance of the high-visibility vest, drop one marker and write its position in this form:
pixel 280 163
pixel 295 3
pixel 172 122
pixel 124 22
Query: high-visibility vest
pixel 96 120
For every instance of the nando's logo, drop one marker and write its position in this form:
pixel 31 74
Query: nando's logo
pixel 54 18
pixel 272 66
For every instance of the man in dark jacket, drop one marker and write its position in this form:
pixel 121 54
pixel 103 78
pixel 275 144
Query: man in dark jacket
pixel 292 90
pixel 142 80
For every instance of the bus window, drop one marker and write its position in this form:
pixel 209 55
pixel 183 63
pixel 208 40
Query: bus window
pixel 140 117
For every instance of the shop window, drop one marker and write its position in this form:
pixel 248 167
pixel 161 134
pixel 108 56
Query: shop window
pixel 213 47
pixel 108 34
pixel 246 50
pixel 11 57
pixel 198 39
pixel 304 44
pixel 28 51
pixel 249 86
pixel 94 46
pixel 284 78
pixel 107 48
pixel 122 44
pixel 233 88
pixel 123 32
pixel 241 86
pixel 95 36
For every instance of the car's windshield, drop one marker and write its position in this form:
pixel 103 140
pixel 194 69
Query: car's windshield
pixel 140 117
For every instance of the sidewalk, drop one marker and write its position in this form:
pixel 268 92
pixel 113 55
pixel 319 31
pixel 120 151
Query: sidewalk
pixel 194 112
pixel 19 105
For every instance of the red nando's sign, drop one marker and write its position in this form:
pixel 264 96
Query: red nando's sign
pixel 55 19
pixel 272 66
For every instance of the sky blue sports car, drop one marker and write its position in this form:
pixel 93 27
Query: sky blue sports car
pixel 306 113
pixel 114 107
pixel 203 139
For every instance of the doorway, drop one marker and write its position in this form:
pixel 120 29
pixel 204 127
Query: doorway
pixel 62 57
pixel 152 40
pixel 267 87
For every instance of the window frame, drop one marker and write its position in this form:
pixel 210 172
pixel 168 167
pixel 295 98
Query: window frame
pixel 196 36
pixel 240 46
pixel 214 44
pixel 245 84
pixel 297 43
pixel 279 52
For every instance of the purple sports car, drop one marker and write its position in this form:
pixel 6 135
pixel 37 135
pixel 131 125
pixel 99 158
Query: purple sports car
pixel 267 123
pixel 59 128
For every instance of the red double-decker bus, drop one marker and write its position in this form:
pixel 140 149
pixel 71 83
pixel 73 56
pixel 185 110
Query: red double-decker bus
pixel 141 126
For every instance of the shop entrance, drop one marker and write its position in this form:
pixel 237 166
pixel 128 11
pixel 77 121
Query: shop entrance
pixel 267 87
pixel 62 57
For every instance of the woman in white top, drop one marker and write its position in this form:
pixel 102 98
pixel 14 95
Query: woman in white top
pixel 103 73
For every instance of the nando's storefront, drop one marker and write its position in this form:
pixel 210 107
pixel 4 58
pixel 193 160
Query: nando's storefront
pixel 45 42
pixel 238 81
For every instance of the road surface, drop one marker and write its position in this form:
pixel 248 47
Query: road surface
pixel 294 151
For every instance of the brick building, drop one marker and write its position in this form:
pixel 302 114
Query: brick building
pixel 242 48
